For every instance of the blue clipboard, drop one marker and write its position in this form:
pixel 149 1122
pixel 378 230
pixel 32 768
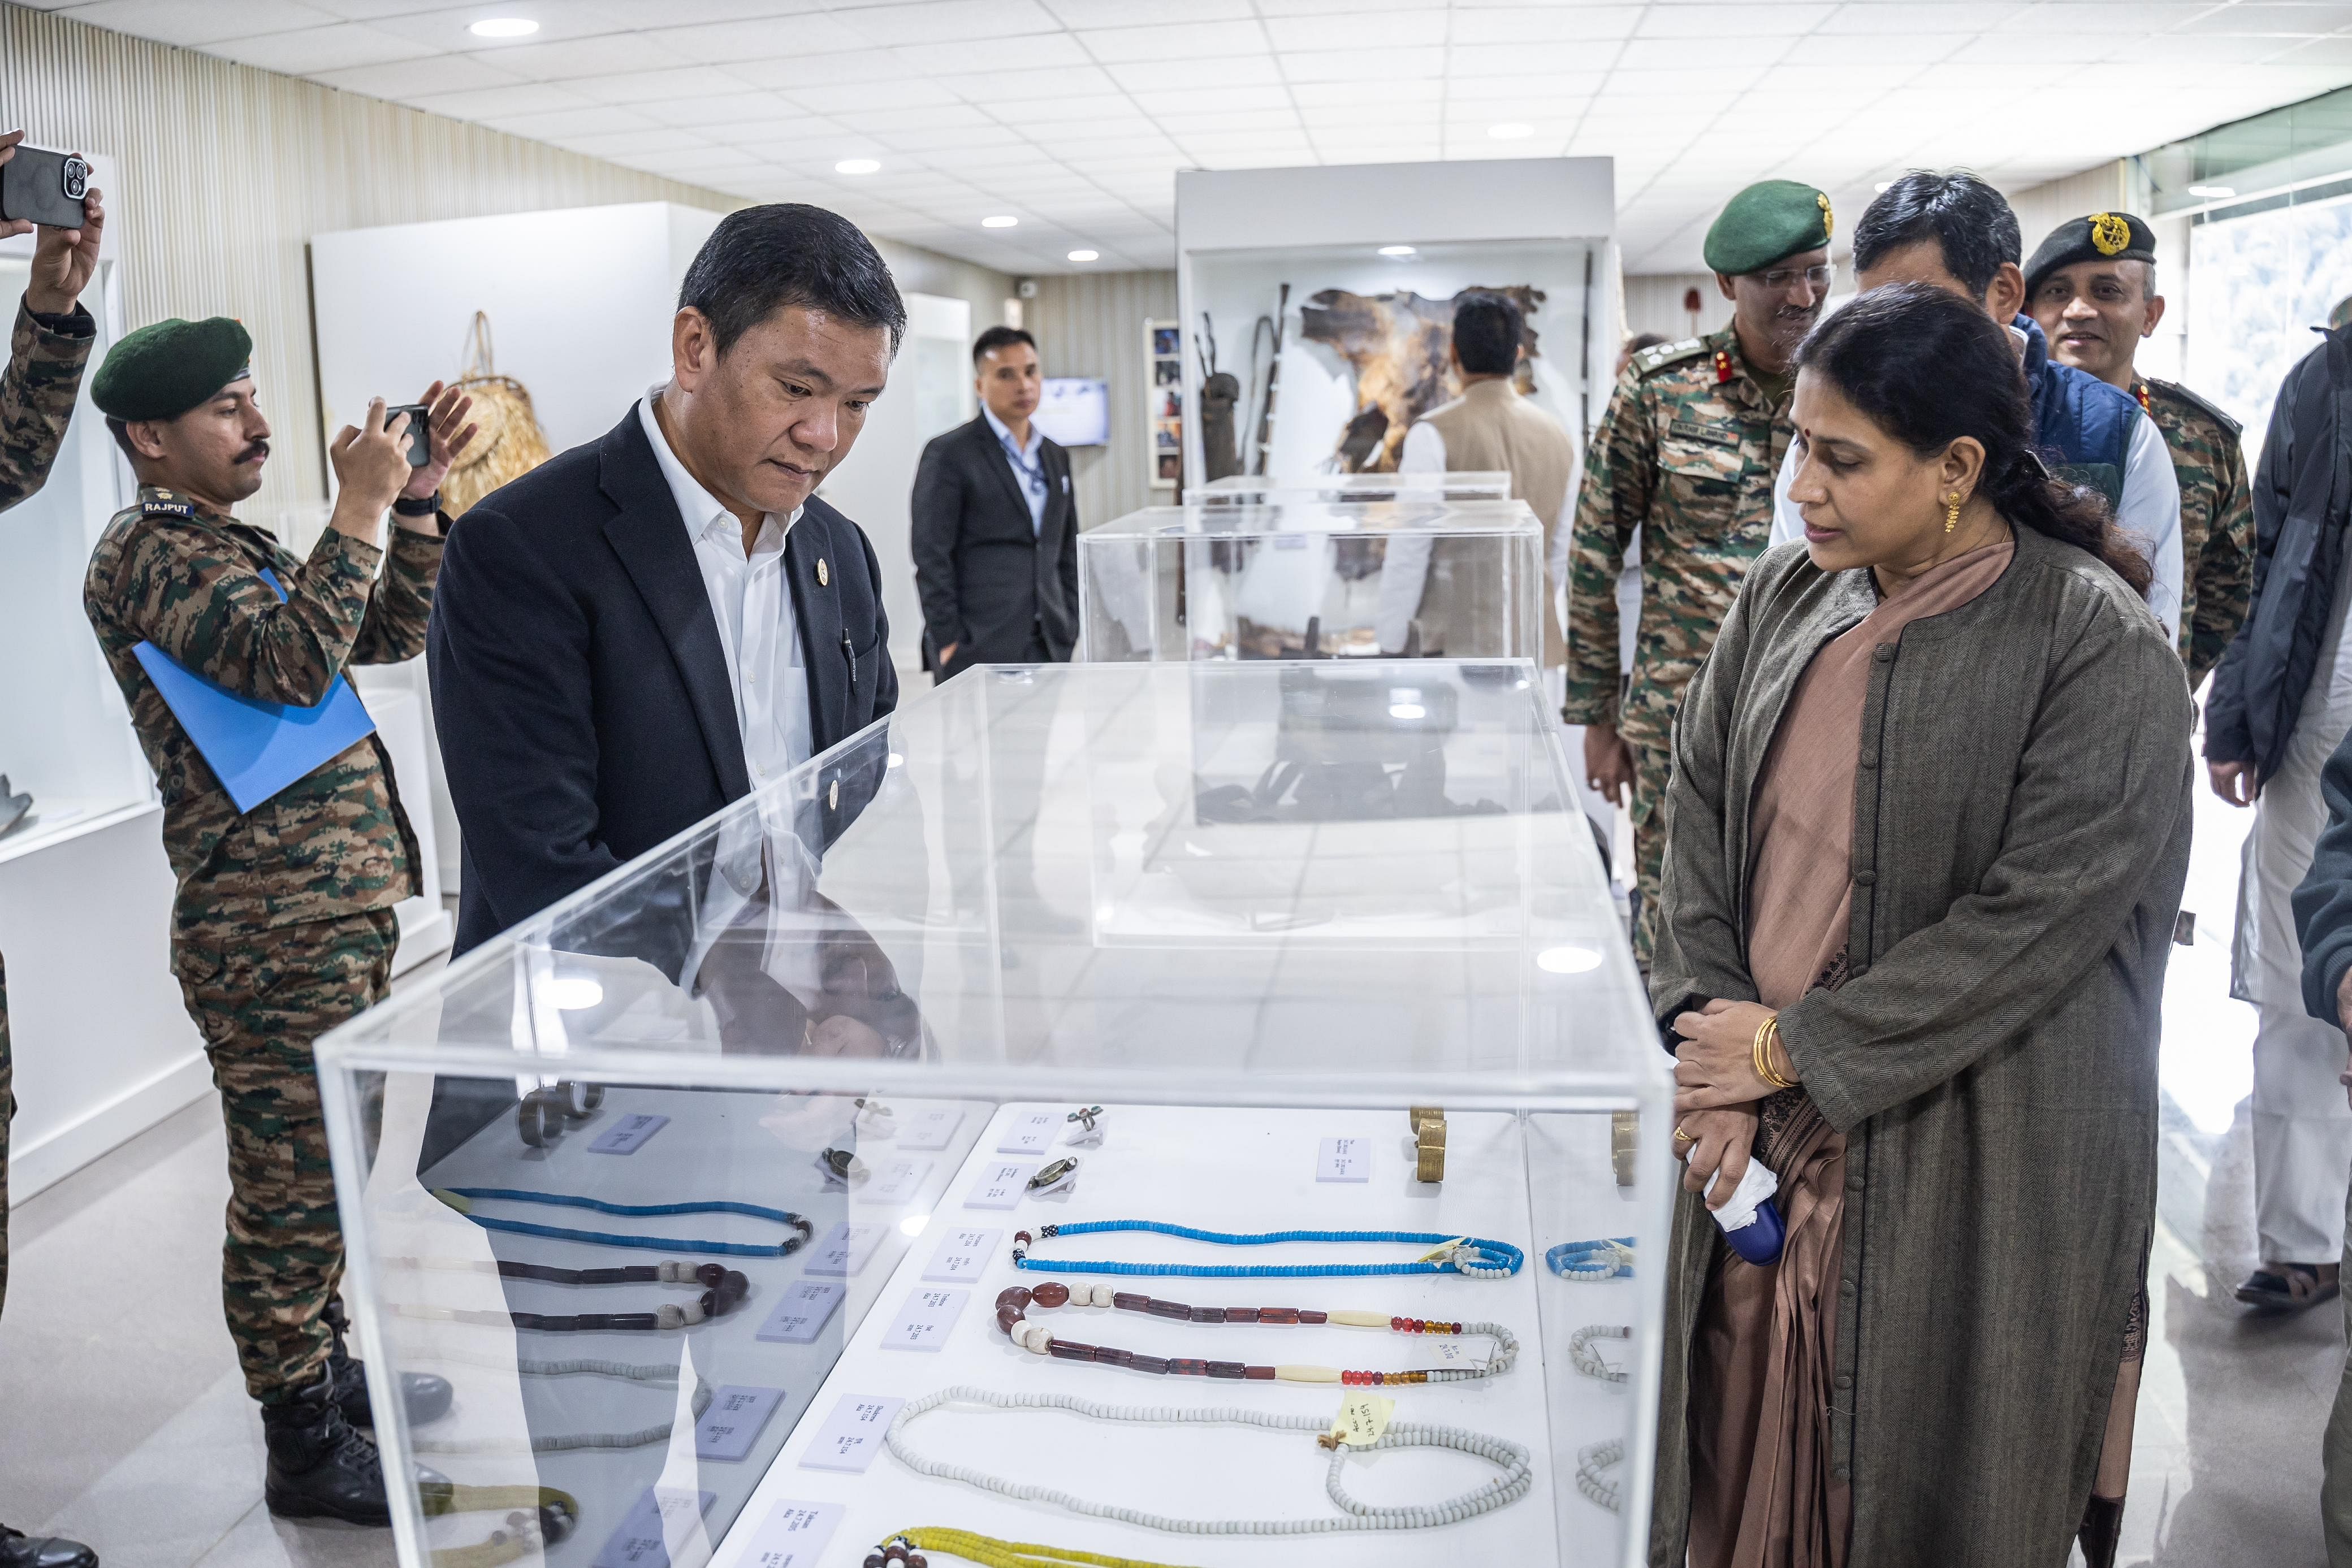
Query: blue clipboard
pixel 256 749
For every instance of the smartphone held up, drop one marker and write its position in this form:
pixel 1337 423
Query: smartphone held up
pixel 43 187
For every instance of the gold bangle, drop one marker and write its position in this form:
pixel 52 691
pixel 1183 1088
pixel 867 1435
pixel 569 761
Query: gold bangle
pixel 1766 1033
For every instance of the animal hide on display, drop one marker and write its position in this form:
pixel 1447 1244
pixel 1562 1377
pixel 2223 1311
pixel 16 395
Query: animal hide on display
pixel 1398 345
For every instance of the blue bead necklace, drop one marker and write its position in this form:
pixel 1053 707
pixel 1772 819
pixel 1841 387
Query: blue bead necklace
pixel 1470 1255
pixel 462 1198
pixel 1603 1259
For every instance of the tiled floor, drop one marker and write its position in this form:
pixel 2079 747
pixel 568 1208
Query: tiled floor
pixel 124 1422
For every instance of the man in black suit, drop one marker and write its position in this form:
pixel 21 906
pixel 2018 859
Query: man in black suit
pixel 656 623
pixel 995 526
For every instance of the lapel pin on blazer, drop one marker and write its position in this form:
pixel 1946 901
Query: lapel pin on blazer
pixel 824 578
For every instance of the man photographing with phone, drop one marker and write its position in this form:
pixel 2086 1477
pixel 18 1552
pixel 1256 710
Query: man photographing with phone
pixel 283 924
pixel 47 347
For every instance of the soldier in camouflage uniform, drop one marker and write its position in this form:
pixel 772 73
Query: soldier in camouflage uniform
pixel 283 923
pixel 47 351
pixel 1686 452
pixel 2091 285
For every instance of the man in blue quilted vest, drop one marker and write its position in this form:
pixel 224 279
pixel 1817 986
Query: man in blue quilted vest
pixel 1958 233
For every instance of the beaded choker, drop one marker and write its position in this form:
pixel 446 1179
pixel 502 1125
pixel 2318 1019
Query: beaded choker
pixel 1517 1474
pixel 1011 1317
pixel 1469 1255
pixel 463 1198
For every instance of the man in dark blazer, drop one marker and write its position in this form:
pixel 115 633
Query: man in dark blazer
pixel 995 529
pixel 654 624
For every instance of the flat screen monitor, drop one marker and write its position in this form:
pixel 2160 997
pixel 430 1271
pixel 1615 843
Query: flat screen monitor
pixel 1076 411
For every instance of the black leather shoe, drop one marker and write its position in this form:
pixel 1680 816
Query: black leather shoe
pixel 319 1466
pixel 18 1550
pixel 426 1397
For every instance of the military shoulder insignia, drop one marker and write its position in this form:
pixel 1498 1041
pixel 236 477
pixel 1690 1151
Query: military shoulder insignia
pixel 2110 233
pixel 163 508
pixel 1656 359
pixel 1829 218
pixel 2176 393
pixel 1722 366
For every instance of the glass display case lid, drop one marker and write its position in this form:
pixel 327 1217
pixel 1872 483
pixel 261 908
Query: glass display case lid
pixel 1283 513
pixel 1467 484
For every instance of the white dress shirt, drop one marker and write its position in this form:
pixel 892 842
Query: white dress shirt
pixel 1028 467
pixel 2149 511
pixel 754 606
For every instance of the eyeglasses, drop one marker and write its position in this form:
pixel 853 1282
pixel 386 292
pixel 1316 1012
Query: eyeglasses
pixel 1781 277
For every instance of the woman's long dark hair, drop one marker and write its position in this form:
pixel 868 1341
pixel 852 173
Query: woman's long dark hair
pixel 1927 367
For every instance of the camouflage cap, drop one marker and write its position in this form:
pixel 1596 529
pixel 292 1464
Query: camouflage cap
pixel 1768 221
pixel 167 367
pixel 2101 236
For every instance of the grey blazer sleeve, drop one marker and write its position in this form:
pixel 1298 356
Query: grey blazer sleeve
pixel 2105 771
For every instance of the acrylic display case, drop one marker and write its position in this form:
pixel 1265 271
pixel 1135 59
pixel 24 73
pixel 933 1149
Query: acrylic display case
pixel 1270 918
pixel 1465 484
pixel 1286 575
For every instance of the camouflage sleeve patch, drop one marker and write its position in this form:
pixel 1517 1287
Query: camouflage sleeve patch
pixel 1619 478
pixel 2222 575
pixel 36 399
pixel 393 630
pixel 178 584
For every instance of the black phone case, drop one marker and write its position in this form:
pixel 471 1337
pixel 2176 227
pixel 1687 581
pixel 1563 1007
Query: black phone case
pixel 420 431
pixel 32 185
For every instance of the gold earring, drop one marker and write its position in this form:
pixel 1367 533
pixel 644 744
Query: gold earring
pixel 1952 511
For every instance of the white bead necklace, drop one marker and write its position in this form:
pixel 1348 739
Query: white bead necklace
pixel 1511 1459
pixel 1590 1462
pixel 1586 1360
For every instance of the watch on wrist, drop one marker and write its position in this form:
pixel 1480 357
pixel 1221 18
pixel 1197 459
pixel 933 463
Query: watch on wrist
pixel 408 506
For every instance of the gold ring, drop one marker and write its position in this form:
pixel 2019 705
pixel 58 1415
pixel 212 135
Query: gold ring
pixel 1686 1137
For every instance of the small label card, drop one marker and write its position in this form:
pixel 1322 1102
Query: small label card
pixel 1001 1185
pixel 1463 1352
pixel 1030 1132
pixel 639 1542
pixel 927 1131
pixel 852 1435
pixel 962 1254
pixel 1345 1159
pixel 732 1423
pixel 845 1249
pixel 628 1135
pixel 794 1535
pixel 924 1321
pixel 803 1312
pixel 895 1181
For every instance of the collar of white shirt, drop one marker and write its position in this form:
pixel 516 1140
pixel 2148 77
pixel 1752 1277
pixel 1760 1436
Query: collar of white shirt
pixel 1004 435
pixel 701 510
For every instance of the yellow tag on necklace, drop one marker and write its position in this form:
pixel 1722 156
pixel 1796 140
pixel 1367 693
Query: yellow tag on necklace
pixel 1363 1417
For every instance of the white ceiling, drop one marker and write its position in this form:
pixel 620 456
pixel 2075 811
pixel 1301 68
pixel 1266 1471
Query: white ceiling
pixel 1073 115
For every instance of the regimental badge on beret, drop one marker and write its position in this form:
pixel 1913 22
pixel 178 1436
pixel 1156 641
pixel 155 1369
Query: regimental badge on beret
pixel 1829 218
pixel 1767 222
pixel 2101 236
pixel 166 368
pixel 2110 235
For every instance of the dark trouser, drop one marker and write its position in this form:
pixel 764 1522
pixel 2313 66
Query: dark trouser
pixel 7 1110
pixel 259 1006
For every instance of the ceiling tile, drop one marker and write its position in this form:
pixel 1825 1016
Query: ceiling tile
pixel 416 79
pixel 1181 41
pixel 1779 19
pixel 929 117
pixel 448 27
pixel 1026 86
pixel 502 102
pixel 859 64
pixel 724 110
pixel 557 124
pixel 308 49
pixel 1362 65
pixel 567 59
pixel 1048 108
pixel 1307 94
pixel 1923 17
pixel 943 21
pixel 1688 57
pixel 1136 13
pixel 177 22
pixel 1544 24
pixel 1167 76
pixel 1423 28
pixel 974 58
pixel 730 43
pixel 1855 51
pixel 910 92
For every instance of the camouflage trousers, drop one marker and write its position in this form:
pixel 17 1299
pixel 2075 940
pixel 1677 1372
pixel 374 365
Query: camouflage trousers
pixel 1650 766
pixel 259 1006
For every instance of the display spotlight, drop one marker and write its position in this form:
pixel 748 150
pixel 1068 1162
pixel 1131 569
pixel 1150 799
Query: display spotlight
pixel 1394 250
pixel 1000 221
pixel 1511 131
pixel 504 27
pixel 1085 256
pixel 858 166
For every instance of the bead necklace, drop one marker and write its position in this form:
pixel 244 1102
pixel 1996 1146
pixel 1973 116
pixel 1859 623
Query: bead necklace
pixel 559 1443
pixel 1590 1462
pixel 909 1545
pixel 1011 1317
pixel 1509 1457
pixel 462 1199
pixel 725 1290
pixel 1470 1255
pixel 1586 1360
pixel 538 1517
pixel 1603 1259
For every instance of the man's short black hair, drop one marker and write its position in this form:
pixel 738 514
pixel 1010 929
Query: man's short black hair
pixel 1487 328
pixel 997 337
pixel 1970 221
pixel 764 259
pixel 120 430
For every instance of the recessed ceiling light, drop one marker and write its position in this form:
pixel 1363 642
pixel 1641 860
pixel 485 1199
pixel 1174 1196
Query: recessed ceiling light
pixel 1883 186
pixel 858 166
pixel 1510 130
pixel 1085 256
pixel 1000 221
pixel 2213 193
pixel 504 27
pixel 1396 250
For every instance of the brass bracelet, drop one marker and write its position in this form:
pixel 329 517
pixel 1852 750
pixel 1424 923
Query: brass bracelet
pixel 1766 1033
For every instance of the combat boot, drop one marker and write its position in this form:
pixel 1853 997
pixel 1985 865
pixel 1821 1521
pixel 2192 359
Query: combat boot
pixel 423 1396
pixel 18 1550
pixel 319 1466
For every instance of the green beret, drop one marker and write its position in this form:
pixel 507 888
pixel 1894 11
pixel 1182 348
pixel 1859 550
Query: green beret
pixel 2102 236
pixel 163 370
pixel 1765 222
pixel 2341 314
